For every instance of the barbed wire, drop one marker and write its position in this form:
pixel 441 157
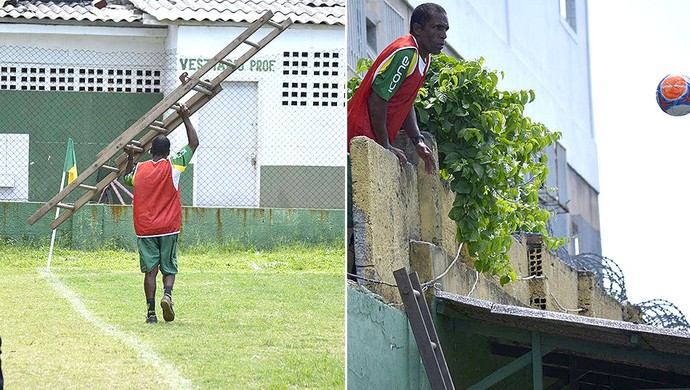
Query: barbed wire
pixel 662 313
pixel 655 312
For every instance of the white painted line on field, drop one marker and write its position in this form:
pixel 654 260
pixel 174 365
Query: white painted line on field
pixel 145 352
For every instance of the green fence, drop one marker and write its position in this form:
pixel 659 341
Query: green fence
pixel 98 225
pixel 49 118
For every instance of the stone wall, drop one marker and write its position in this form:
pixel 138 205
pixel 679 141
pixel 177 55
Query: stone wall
pixel 401 219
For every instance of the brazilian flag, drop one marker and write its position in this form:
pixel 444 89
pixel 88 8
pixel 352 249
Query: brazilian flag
pixel 70 162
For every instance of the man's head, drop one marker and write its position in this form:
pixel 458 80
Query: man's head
pixel 429 24
pixel 160 146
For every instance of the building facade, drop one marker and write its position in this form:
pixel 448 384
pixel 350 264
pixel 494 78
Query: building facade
pixel 271 138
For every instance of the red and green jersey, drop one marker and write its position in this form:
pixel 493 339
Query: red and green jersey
pixel 157 205
pixel 396 76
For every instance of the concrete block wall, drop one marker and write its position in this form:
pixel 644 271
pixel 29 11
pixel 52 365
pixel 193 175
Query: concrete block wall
pixel 401 220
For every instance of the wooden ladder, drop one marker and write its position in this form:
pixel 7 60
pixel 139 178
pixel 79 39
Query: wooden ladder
pixel 423 329
pixel 205 90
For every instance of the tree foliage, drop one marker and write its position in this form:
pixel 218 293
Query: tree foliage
pixel 490 154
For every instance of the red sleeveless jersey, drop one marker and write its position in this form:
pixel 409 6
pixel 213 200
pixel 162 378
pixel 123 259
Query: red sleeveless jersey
pixel 157 205
pixel 399 104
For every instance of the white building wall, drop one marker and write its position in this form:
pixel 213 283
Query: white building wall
pixel 536 49
pixel 283 135
pixel 69 37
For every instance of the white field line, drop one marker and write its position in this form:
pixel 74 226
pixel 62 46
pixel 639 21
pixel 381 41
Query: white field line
pixel 145 352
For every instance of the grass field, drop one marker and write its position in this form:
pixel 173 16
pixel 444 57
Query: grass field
pixel 244 319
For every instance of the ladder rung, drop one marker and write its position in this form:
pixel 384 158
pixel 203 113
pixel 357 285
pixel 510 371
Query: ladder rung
pixel 66 206
pixel 158 123
pixel 137 149
pixel 135 142
pixel 274 24
pixel 250 43
pixel 88 187
pixel 108 167
pixel 158 129
pixel 203 90
pixel 227 63
pixel 206 84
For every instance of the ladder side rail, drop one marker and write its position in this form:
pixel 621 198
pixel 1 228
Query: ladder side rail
pixel 171 123
pixel 212 62
pixel 113 148
pixel 118 144
pixel 419 329
pixel 249 53
pixel 431 330
pixel 86 197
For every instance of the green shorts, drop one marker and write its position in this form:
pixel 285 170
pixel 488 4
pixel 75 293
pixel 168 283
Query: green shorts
pixel 158 250
pixel 349 193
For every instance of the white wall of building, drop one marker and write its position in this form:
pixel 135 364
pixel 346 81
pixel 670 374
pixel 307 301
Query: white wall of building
pixel 70 37
pixel 284 130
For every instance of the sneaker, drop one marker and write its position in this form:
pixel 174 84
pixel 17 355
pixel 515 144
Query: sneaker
pixel 167 306
pixel 151 318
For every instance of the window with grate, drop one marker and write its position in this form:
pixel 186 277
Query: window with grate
pixel 356 32
pixel 568 13
pixel 312 79
pixel 85 79
pixel 392 24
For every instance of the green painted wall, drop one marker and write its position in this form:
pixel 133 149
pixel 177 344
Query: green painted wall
pixel 319 187
pixel 381 350
pixel 95 225
pixel 91 119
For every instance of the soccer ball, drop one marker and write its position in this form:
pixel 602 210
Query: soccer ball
pixel 673 94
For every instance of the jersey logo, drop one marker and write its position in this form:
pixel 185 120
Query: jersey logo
pixel 399 73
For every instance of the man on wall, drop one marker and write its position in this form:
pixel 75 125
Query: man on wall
pixel 383 103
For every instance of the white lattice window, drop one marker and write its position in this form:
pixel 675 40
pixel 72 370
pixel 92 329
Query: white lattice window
pixel 85 79
pixel 313 79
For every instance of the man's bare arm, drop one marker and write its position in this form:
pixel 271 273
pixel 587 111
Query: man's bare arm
pixel 378 111
pixel 192 137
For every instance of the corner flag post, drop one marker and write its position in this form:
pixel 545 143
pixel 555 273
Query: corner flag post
pixel 69 170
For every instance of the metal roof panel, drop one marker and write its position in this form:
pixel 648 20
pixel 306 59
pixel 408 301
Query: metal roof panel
pixel 300 11
pixel 329 12
pixel 69 11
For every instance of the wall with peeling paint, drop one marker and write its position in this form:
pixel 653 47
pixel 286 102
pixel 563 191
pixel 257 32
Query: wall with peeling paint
pixel 98 225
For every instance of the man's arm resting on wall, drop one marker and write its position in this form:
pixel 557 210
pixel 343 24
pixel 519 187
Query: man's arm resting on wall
pixel 378 110
pixel 423 151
